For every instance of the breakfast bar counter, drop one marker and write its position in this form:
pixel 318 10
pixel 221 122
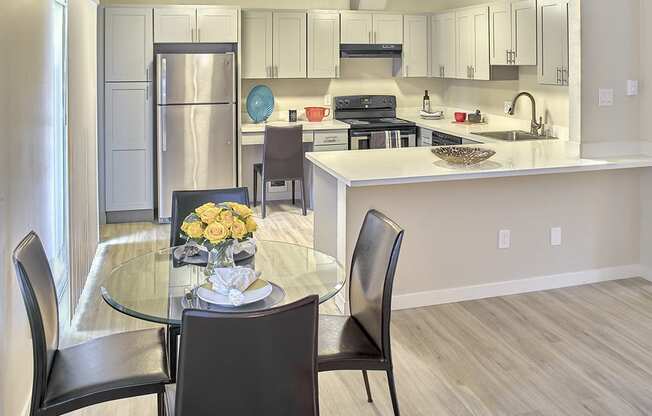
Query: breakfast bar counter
pixel 453 216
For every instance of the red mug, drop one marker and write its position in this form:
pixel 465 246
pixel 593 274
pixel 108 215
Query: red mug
pixel 460 117
pixel 316 114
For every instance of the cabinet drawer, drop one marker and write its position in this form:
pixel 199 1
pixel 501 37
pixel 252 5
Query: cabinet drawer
pixel 331 137
pixel 259 138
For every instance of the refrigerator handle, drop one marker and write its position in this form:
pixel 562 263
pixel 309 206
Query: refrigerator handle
pixel 233 76
pixel 164 81
pixel 164 134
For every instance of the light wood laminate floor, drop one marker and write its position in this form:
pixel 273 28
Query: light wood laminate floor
pixel 574 351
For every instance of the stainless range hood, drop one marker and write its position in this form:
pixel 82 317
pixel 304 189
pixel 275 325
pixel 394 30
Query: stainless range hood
pixel 354 50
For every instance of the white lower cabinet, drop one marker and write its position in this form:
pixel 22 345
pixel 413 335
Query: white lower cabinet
pixel 553 42
pixel 415 46
pixel 129 146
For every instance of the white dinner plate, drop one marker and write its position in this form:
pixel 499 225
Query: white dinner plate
pixel 250 296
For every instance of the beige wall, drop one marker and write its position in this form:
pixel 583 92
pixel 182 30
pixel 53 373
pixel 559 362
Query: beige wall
pixel 451 228
pixel 26 124
pixel 611 51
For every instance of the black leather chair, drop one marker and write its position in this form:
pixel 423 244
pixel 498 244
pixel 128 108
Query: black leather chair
pixel 248 364
pixel 185 202
pixel 361 341
pixel 109 368
pixel 282 161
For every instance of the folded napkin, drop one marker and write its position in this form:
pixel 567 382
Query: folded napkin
pixel 232 282
pixel 248 246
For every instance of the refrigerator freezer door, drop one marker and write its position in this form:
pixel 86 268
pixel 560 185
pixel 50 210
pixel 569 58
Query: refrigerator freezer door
pixel 195 78
pixel 196 150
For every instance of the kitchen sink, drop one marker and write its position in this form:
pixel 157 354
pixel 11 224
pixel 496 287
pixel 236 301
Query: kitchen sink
pixel 513 136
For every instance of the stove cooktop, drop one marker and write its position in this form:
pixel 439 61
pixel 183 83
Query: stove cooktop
pixel 377 122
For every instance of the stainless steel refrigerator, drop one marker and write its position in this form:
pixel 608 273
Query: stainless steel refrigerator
pixel 196 124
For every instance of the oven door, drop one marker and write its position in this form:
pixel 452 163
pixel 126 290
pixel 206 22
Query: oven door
pixel 361 139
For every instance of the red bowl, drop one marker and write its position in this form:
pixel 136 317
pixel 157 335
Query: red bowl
pixel 460 117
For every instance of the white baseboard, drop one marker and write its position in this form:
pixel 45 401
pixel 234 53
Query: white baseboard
pixel 513 287
pixel 646 273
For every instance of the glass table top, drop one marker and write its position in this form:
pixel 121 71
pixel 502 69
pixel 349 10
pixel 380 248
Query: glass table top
pixel 157 288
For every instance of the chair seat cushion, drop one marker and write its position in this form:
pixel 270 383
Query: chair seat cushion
pixel 341 339
pixel 134 361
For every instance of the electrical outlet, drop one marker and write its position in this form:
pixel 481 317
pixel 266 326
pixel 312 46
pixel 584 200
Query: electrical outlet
pixel 632 87
pixel 504 239
pixel 605 97
pixel 555 236
pixel 328 99
pixel 507 107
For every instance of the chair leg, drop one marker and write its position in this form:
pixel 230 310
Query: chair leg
pixel 392 391
pixel 366 386
pixel 264 201
pixel 255 186
pixel 303 197
pixel 173 333
pixel 161 404
pixel 294 200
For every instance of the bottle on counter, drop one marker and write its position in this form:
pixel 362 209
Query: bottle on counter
pixel 426 102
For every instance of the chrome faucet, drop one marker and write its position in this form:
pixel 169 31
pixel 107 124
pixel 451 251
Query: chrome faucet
pixel 534 126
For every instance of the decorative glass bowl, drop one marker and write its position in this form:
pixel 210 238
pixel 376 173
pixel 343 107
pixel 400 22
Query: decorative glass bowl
pixel 462 155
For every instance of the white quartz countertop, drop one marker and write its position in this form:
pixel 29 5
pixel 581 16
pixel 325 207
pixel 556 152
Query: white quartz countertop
pixel 416 165
pixel 307 125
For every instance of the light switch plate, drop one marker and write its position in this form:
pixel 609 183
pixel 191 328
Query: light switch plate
pixel 504 239
pixel 632 87
pixel 605 97
pixel 328 99
pixel 555 236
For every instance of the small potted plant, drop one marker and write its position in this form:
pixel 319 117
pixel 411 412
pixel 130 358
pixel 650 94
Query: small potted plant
pixel 220 229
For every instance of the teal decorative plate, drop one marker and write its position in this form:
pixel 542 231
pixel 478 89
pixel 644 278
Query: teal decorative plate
pixel 260 103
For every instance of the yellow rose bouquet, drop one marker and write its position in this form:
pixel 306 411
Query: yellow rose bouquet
pixel 218 228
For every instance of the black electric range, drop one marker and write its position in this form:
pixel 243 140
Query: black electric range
pixel 367 114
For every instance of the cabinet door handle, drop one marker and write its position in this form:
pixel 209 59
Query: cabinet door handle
pixel 198 35
pixel 407 70
pixel 564 76
pixel 558 75
pixel 337 71
pixel 192 35
pixel 472 72
pixel 147 73
pixel 147 92
pixel 370 38
pixel 375 37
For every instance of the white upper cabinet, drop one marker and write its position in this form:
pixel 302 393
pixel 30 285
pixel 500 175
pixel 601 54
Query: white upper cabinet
pixel 443 45
pixel 128 146
pixel 500 27
pixel 129 53
pixel 524 32
pixel 323 44
pixel 415 46
pixel 180 24
pixel 553 42
pixel 513 29
pixel 175 24
pixel 257 41
pixel 472 32
pixel 217 25
pixel 289 47
pixel 371 28
pixel 357 27
pixel 388 28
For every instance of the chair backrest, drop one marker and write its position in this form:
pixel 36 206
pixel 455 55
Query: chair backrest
pixel 283 153
pixel 372 276
pixel 260 363
pixel 39 294
pixel 184 202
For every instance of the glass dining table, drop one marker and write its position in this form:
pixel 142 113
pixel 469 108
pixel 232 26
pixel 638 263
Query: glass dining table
pixel 158 286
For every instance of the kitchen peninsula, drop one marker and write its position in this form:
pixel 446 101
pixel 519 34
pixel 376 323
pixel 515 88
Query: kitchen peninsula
pixel 453 217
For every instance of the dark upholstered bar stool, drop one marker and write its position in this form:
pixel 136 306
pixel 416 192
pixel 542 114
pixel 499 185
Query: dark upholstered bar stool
pixel 361 341
pixel 248 364
pixel 109 368
pixel 282 161
pixel 185 202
